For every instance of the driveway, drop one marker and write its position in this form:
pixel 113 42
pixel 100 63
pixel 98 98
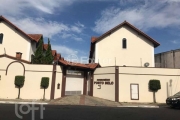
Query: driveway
pixel 84 100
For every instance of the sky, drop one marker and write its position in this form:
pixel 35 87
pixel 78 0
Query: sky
pixel 70 23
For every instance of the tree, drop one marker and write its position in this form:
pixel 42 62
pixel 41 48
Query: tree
pixel 19 82
pixel 48 54
pixel 154 86
pixel 37 58
pixel 44 84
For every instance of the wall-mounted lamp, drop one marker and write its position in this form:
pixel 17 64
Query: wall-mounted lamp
pixel 170 82
pixel 58 86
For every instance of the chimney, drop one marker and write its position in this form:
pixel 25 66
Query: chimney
pixel 18 55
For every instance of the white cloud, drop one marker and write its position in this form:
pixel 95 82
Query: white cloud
pixel 175 41
pixel 78 38
pixel 16 7
pixel 64 50
pixel 150 14
pixel 48 28
pixel 68 52
pixel 71 36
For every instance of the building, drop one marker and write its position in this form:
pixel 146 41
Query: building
pixel 124 45
pixel 120 67
pixel 169 59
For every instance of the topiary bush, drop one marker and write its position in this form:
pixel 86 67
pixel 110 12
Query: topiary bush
pixel 154 86
pixel 44 84
pixel 19 82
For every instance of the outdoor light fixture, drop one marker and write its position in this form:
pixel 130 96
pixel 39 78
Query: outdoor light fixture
pixel 170 81
pixel 58 86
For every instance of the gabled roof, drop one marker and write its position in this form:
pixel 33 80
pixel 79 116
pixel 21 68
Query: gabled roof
pixel 131 26
pixel 54 52
pixel 33 37
pixel 78 65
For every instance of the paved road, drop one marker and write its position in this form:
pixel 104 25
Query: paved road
pixel 54 112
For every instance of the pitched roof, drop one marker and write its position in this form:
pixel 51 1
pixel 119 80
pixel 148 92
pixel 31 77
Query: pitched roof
pixel 53 52
pixel 79 65
pixel 131 26
pixel 33 37
pixel 58 55
pixel 36 37
pixel 93 39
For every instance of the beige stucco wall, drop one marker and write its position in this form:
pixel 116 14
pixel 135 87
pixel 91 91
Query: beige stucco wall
pixel 106 91
pixel 14 42
pixel 141 76
pixel 109 51
pixel 33 75
pixel 57 93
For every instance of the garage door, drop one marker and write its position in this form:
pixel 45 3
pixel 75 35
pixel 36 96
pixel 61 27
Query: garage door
pixel 74 85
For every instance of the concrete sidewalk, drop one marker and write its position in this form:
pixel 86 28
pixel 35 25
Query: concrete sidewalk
pixel 22 101
pixel 142 105
pixel 82 100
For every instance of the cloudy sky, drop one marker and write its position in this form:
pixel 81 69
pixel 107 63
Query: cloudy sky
pixel 70 23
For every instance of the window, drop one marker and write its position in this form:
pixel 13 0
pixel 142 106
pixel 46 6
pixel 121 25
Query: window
pixel 1 38
pixel 124 44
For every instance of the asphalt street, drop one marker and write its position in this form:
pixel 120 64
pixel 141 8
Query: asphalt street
pixel 57 112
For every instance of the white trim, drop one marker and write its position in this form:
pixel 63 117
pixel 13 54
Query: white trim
pixel 28 57
pixel 153 57
pixel 96 53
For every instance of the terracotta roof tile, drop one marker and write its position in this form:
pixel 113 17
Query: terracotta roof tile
pixel 93 39
pixel 62 61
pixel 80 65
pixel 58 56
pixel 36 37
pixel 53 52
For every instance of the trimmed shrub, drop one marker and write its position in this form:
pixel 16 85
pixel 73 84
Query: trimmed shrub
pixel 19 82
pixel 154 86
pixel 44 84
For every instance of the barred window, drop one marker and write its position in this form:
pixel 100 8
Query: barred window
pixel 1 38
pixel 124 43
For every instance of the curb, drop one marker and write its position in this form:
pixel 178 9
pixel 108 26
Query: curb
pixel 12 102
pixel 139 106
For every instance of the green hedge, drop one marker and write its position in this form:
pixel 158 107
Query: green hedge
pixel 154 85
pixel 45 82
pixel 19 81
